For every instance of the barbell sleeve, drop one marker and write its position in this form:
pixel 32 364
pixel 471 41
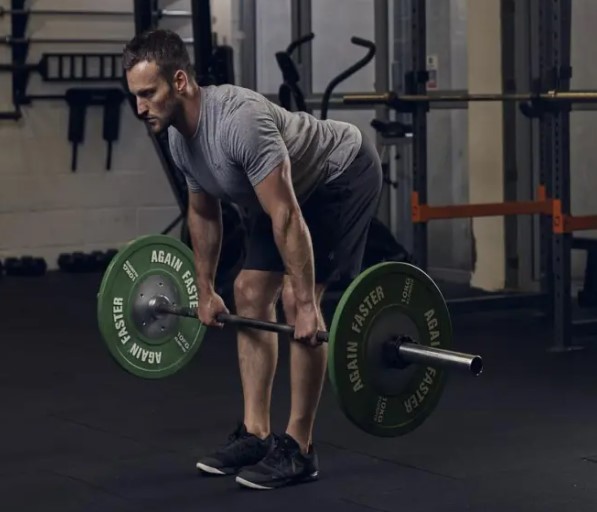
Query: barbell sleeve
pixel 406 351
pixel 369 98
pixel 414 353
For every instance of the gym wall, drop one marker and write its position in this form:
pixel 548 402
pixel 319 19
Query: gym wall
pixel 45 208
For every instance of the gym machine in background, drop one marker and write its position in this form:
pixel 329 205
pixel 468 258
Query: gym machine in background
pixel 549 106
pixel 543 29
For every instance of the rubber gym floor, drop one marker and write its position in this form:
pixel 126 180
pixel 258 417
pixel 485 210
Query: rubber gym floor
pixel 80 434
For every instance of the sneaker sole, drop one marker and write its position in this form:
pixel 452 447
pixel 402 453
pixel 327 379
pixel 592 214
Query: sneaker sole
pixel 211 470
pixel 251 485
pixel 261 487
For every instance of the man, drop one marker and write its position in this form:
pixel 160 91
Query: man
pixel 311 187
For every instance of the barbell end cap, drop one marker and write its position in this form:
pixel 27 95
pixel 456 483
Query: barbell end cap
pixel 476 366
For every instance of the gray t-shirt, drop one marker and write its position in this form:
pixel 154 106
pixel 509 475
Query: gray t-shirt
pixel 241 137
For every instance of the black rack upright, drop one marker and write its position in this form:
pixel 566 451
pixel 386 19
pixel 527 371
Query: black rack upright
pixel 416 83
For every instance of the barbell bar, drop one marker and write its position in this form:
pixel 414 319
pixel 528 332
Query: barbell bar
pixel 389 342
pixel 406 351
pixel 393 99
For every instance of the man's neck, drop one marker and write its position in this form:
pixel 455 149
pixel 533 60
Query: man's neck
pixel 190 114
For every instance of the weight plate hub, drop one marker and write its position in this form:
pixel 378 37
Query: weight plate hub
pixel 147 345
pixel 387 301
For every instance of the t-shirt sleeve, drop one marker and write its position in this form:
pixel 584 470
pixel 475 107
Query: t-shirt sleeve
pixel 181 163
pixel 254 142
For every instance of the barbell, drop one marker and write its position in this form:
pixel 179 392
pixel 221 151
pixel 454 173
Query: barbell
pixel 399 101
pixel 388 344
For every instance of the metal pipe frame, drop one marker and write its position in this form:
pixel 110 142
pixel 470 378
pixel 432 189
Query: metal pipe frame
pixel 247 14
pixel 402 51
pixel 159 13
pixel 382 112
pixel 300 21
pixel 142 10
pixel 526 149
pixel 418 85
pixel 556 73
pixel 510 181
pixel 16 41
pixel 202 39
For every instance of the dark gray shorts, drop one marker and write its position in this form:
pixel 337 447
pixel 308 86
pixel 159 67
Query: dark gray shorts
pixel 337 214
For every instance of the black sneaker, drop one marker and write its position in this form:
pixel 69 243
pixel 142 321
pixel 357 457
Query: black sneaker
pixel 242 449
pixel 284 465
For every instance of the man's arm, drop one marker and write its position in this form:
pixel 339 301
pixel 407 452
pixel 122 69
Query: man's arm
pixel 276 195
pixel 254 142
pixel 205 229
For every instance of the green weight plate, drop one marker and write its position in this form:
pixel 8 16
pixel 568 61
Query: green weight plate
pixel 387 300
pixel 145 345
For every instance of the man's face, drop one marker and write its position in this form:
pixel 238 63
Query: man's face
pixel 157 101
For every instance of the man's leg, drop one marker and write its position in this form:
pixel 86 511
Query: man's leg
pixel 288 462
pixel 256 293
pixel 307 373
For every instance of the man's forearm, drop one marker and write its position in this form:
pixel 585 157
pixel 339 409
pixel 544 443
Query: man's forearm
pixel 294 243
pixel 206 236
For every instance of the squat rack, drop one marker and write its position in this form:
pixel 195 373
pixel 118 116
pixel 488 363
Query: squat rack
pixel 549 105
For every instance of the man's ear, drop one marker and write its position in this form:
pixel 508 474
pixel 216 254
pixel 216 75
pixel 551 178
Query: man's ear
pixel 181 81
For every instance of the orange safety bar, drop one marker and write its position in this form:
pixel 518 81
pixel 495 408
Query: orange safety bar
pixel 568 223
pixel 423 213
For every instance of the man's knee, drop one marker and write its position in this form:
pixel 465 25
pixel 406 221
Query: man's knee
pixel 256 291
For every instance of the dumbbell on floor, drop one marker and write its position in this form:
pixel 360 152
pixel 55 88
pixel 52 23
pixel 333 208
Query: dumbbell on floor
pixel 25 266
pixel 79 262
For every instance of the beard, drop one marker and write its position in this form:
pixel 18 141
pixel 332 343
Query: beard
pixel 171 111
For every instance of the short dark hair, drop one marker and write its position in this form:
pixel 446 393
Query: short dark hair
pixel 164 47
